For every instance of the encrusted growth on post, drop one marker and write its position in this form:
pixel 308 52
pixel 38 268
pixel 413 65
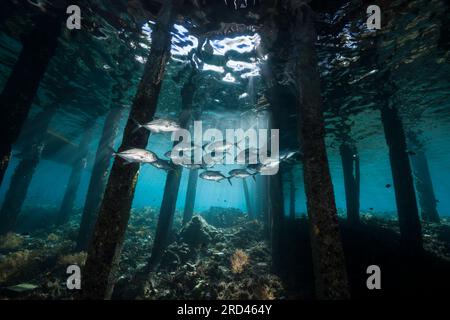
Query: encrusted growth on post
pixel 328 256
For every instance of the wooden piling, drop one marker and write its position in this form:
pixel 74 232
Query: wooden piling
pixel 328 255
pixel 38 47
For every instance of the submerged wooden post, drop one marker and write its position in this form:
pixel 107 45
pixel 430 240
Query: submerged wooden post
pixel 172 186
pixel 167 209
pixel 291 194
pixel 99 177
pixel 265 202
pixel 78 167
pixel 109 232
pixel 272 191
pixel 276 219
pixel 261 194
pixel 405 197
pixel 275 199
pixel 19 91
pixel 423 182
pixel 424 187
pixel 23 173
pixel 248 202
pixel 190 196
pixel 350 166
pixel 165 218
pixel 328 255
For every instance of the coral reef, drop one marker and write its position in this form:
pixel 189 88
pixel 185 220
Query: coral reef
pixel 14 263
pixel 212 257
pixel 198 232
pixel 238 260
pixel 11 240
pixel 78 258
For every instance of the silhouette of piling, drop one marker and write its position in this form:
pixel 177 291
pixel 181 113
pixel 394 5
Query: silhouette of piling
pixel 99 177
pixel 79 165
pixel 23 173
pixel 190 196
pixel 248 202
pixel 276 220
pixel 405 197
pixel 423 182
pixel 350 166
pixel 291 194
pixel 328 256
pixel 424 188
pixel 38 47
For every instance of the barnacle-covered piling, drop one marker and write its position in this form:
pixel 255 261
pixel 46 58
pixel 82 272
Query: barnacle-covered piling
pixel 328 255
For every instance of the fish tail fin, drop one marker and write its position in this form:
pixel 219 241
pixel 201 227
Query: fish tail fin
pixel 112 151
pixel 138 125
pixel 229 180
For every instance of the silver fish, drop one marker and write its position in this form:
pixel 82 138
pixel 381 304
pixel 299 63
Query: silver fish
pixel 160 125
pixel 136 155
pixel 192 166
pixel 186 161
pixel 214 176
pixel 219 146
pixel 255 167
pixel 186 147
pixel 163 164
pixel 288 155
pixel 269 166
pixel 241 173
